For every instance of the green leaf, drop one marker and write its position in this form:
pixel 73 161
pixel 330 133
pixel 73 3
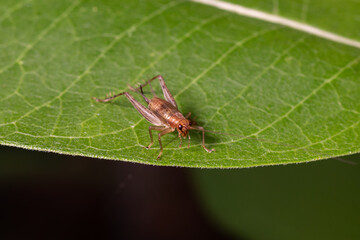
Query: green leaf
pixel 295 96
pixel 331 15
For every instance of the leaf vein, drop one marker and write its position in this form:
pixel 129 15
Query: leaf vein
pixel 12 9
pixel 223 56
pixel 102 54
pixel 252 13
pixel 276 60
pixel 178 42
pixel 313 92
pixel 42 35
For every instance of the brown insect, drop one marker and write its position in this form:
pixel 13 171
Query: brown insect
pixel 164 114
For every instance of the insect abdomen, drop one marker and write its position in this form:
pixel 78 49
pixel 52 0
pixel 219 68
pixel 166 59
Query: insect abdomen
pixel 166 111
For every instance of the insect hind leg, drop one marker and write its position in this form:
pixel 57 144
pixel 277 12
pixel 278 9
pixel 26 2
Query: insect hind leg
pixel 167 95
pixel 141 92
pixel 109 97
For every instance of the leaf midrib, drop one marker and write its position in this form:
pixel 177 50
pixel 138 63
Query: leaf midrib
pixel 267 17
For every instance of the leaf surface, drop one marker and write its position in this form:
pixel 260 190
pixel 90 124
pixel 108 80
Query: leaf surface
pixel 296 96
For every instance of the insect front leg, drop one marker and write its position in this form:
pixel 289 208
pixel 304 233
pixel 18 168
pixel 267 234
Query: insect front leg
pixel 189 141
pixel 154 128
pixel 165 131
pixel 180 140
pixel 192 121
pixel 203 137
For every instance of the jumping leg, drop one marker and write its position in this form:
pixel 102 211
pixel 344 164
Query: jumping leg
pixel 108 97
pixel 167 95
pixel 141 93
pixel 146 113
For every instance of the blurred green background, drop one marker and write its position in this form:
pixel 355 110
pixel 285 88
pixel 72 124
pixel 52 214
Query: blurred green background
pixel 47 195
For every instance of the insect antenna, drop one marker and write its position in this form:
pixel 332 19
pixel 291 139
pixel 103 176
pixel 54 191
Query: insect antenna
pixel 283 144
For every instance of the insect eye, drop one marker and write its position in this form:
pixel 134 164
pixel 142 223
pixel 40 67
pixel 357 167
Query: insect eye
pixel 190 123
pixel 180 127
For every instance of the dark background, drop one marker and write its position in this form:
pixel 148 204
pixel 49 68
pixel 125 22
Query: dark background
pixel 52 196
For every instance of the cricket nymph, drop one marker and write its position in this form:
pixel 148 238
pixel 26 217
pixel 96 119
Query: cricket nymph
pixel 164 114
